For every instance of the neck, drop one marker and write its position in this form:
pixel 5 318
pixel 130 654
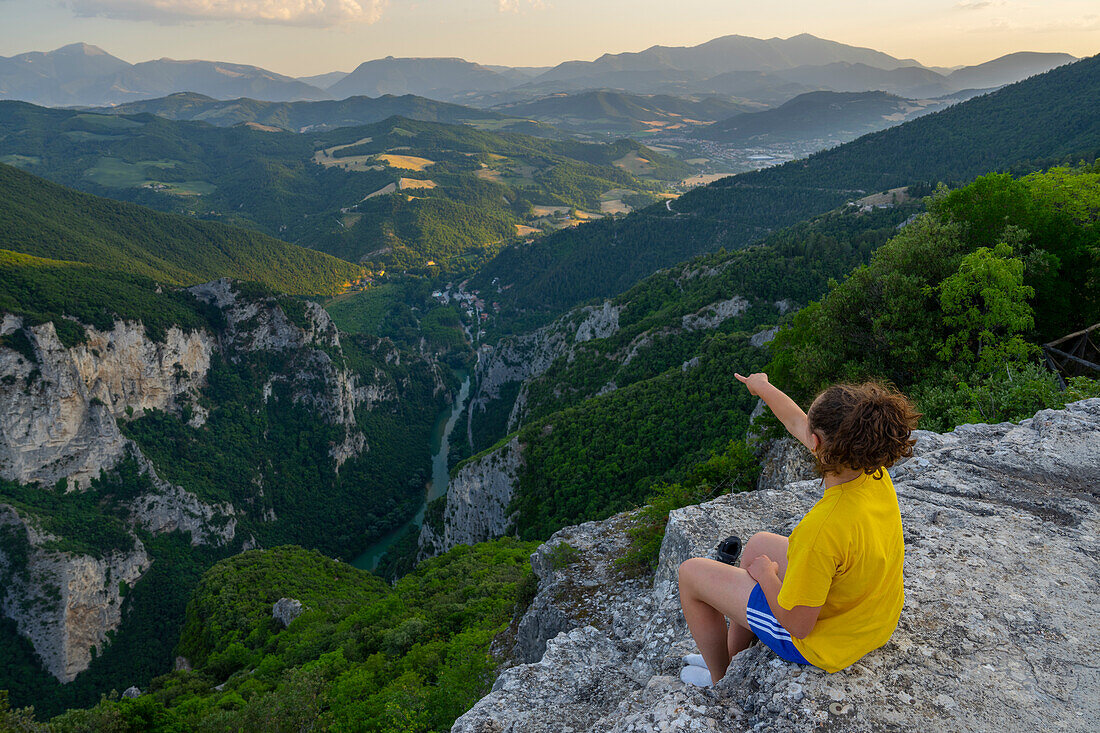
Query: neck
pixel 835 479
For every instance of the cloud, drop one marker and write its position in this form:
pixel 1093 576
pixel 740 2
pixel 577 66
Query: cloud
pixel 285 12
pixel 974 4
pixel 513 6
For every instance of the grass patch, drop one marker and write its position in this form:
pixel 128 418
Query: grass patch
pixel 20 161
pixel 117 173
pixel 406 162
pixel 363 312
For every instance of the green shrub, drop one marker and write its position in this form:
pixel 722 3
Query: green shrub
pixel 1008 395
pixel 562 555
pixel 734 470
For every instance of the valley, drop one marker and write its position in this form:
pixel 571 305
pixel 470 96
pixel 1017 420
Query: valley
pixel 456 202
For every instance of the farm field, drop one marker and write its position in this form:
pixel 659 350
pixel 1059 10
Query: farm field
pixel 360 193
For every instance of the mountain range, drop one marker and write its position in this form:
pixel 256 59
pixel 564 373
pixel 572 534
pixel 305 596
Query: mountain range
pixel 769 71
pixel 830 117
pixel 1043 120
pixel 306 116
pixel 80 74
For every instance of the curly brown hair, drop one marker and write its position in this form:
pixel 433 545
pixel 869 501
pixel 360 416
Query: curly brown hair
pixel 862 426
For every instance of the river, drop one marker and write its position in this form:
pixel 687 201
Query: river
pixel 437 486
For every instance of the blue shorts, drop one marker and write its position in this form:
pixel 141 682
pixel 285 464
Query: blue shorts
pixel 768 630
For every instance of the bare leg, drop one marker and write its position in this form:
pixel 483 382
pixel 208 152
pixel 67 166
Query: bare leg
pixel 766 543
pixel 738 639
pixel 709 592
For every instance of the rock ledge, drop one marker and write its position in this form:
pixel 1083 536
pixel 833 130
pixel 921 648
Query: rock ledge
pixel 999 630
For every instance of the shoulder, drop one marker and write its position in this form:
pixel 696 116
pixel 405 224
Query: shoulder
pixel 817 522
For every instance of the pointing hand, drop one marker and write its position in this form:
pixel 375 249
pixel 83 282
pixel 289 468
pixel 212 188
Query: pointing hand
pixel 753 382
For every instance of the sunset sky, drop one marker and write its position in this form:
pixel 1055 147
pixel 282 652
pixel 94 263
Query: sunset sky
pixel 302 37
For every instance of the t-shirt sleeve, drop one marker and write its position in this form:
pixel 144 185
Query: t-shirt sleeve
pixel 809 576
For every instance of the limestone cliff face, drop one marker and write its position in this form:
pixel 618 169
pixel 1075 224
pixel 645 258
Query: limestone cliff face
pixel 330 390
pixel 64 603
pixel 522 357
pixel 998 631
pixel 57 413
pixel 477 502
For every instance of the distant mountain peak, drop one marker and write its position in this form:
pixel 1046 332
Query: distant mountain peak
pixel 82 48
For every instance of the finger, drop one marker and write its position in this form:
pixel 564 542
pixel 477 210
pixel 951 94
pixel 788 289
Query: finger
pixel 739 377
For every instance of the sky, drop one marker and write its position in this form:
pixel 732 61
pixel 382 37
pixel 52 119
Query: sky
pixel 305 37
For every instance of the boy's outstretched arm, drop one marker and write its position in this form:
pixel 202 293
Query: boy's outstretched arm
pixel 789 413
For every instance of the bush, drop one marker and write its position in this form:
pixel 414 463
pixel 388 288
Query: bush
pixel 734 470
pixel 1009 395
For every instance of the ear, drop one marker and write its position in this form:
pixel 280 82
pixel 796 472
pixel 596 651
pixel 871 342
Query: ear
pixel 815 442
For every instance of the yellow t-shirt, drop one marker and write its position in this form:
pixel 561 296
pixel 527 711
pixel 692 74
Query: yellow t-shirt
pixel 846 556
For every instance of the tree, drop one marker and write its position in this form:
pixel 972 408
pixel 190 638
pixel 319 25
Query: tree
pixel 985 307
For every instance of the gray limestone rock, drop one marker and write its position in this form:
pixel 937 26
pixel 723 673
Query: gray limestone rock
pixel 783 462
pixel 998 633
pixel 764 337
pixel 715 314
pixel 63 603
pixel 58 413
pixel 132 692
pixel 285 610
pixel 477 502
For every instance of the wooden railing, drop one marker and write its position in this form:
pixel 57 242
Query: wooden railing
pixel 1074 355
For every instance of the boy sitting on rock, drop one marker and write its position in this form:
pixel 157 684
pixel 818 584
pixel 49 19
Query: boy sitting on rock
pixel 832 591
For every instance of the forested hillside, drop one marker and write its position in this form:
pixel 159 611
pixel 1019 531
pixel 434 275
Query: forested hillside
pixel 49 221
pixel 324 115
pixel 1050 118
pixel 397 193
pixel 656 321
pixel 833 116
pixel 614 416
pixel 954 308
pixel 951 307
pixel 361 655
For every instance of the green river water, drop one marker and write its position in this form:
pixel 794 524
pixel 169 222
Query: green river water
pixel 437 486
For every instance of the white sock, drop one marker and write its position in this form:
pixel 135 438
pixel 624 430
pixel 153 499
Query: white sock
pixel 697 676
pixel 695 660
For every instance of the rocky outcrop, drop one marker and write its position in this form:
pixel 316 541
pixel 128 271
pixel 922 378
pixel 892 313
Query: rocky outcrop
pixel 312 377
pixel 785 461
pixel 998 631
pixel 598 323
pixel 170 508
pixel 286 610
pixel 477 501
pixel 715 314
pixel 58 411
pixel 64 603
pixel 526 356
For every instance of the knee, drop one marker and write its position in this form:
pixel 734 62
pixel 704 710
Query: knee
pixel 689 571
pixel 753 547
pixel 761 543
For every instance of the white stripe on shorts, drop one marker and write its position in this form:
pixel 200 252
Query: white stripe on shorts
pixel 767 624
